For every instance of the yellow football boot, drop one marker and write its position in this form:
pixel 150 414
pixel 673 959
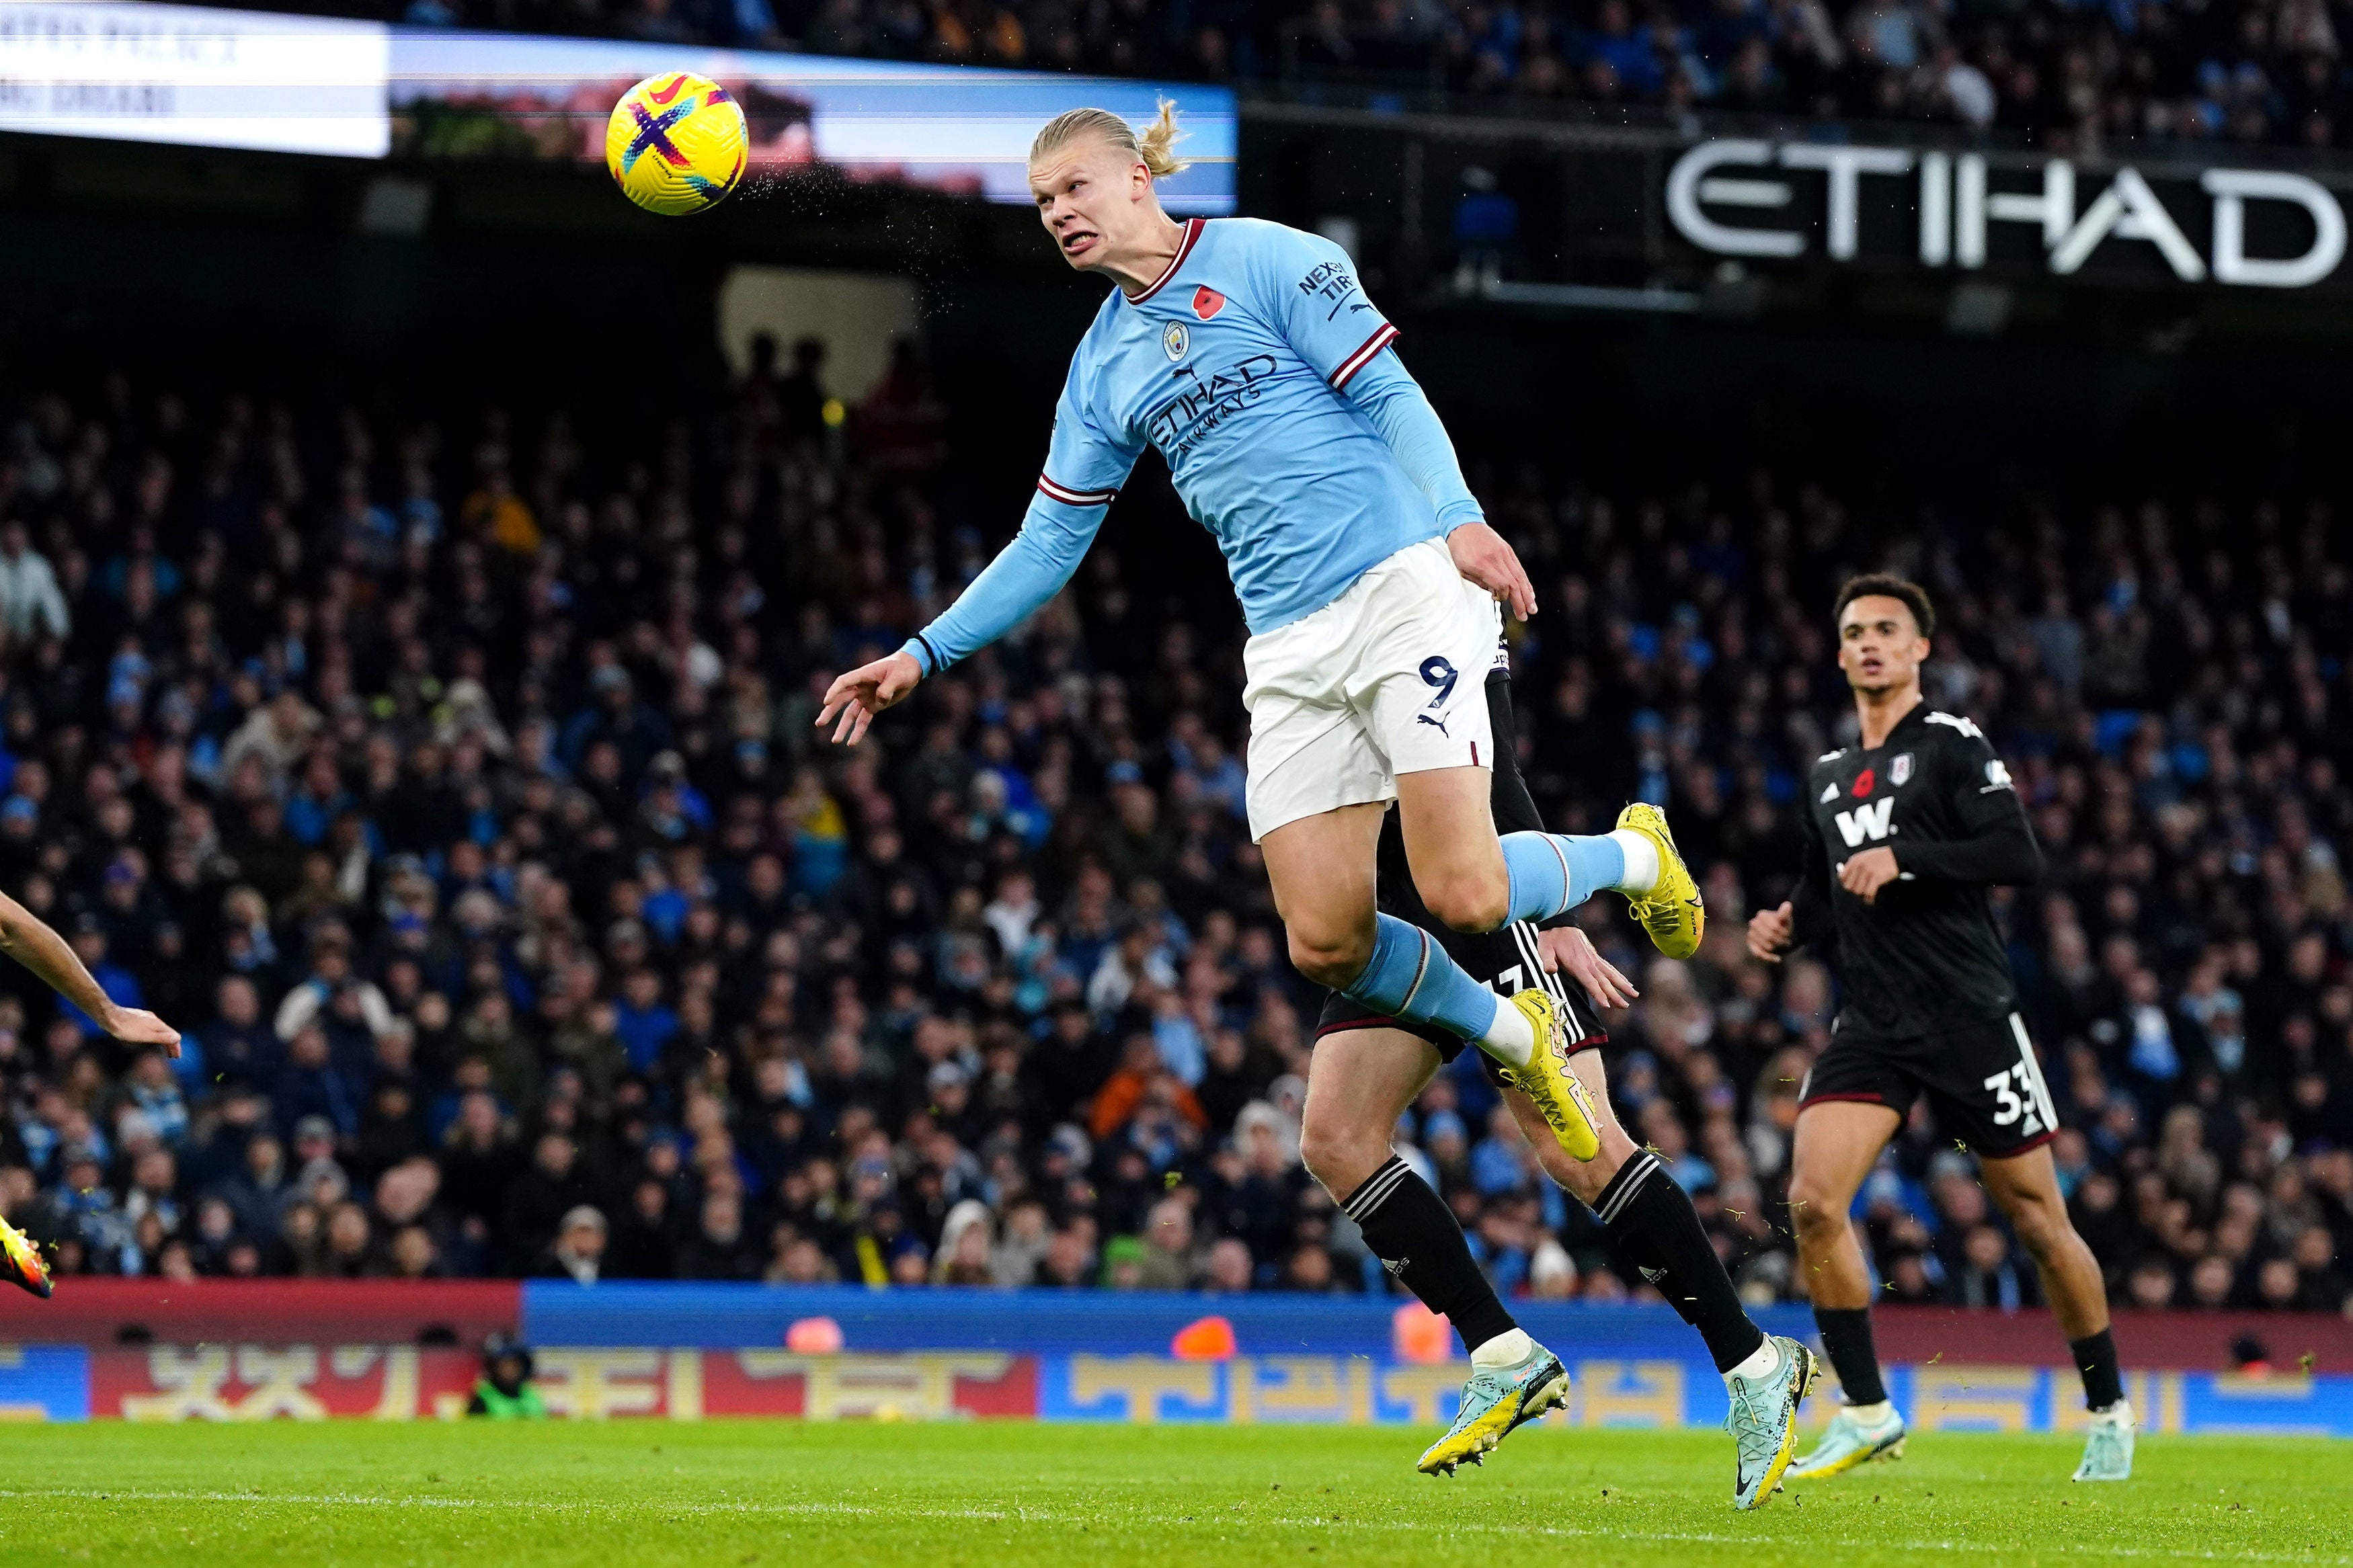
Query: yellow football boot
pixel 1671 910
pixel 1546 1080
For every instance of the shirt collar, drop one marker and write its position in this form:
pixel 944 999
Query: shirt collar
pixel 1193 227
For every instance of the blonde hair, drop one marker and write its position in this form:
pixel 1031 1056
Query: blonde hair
pixel 1156 149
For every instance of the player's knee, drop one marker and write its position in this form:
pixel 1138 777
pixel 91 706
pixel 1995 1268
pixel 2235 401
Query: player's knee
pixel 1466 902
pixel 1339 1158
pixel 1318 1151
pixel 1814 1209
pixel 1329 959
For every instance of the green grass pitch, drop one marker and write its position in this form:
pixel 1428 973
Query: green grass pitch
pixel 783 1494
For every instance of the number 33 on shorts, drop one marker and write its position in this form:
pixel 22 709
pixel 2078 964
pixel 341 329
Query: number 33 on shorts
pixel 2014 1097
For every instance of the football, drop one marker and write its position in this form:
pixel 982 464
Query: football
pixel 677 143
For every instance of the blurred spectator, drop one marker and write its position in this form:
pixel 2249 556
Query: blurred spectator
pixel 578 1252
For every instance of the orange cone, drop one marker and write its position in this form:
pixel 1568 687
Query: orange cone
pixel 1208 1338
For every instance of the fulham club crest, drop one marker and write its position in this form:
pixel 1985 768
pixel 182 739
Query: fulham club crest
pixel 1899 772
pixel 1176 340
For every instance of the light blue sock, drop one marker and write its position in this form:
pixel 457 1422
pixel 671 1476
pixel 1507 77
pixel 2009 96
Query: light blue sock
pixel 1409 976
pixel 1552 873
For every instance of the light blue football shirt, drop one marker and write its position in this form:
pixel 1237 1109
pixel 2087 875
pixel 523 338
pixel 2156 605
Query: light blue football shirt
pixel 1237 365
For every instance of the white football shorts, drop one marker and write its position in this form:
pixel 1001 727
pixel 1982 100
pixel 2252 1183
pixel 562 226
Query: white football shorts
pixel 1390 677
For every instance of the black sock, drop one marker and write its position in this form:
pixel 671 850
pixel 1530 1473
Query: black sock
pixel 1412 1232
pixel 1652 1221
pixel 2096 1358
pixel 1846 1339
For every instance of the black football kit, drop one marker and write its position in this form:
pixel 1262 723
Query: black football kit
pixel 1927 1002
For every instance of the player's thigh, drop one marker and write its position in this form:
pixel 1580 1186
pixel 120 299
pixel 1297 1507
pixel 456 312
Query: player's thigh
pixel 1446 816
pixel 1307 762
pixel 1359 1081
pixel 1324 874
pixel 1311 745
pixel 1836 1142
pixel 1583 1179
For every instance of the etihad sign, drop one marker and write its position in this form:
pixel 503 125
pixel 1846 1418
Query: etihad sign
pixel 1738 197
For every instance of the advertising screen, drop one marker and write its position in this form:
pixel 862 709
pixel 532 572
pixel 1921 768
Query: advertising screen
pixel 197 77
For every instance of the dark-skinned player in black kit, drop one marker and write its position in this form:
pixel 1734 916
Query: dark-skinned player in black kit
pixel 1906 833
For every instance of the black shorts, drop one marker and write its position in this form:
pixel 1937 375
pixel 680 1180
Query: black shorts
pixel 1981 1079
pixel 1505 961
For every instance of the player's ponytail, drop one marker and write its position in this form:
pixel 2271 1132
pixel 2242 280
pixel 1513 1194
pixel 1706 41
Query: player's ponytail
pixel 1157 145
pixel 1156 149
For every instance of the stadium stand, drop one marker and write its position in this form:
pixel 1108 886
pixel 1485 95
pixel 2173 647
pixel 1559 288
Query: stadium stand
pixel 448 773
pixel 2068 78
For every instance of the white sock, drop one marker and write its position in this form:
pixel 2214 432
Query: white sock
pixel 1641 861
pixel 1871 1415
pixel 1762 1362
pixel 1507 1348
pixel 1511 1039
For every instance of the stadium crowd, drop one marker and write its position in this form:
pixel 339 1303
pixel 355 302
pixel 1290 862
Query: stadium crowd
pixel 2067 75
pixel 451 781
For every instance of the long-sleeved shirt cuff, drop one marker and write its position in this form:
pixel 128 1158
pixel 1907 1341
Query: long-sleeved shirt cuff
pixel 926 657
pixel 1459 514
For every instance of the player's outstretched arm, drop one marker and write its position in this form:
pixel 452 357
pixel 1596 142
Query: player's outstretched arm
pixel 28 939
pixel 1086 466
pixel 1025 574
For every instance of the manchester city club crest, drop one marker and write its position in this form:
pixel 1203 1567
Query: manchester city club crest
pixel 1176 340
pixel 1899 772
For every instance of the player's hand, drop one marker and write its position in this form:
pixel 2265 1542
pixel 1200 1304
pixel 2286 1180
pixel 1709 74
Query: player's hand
pixel 1480 555
pixel 865 691
pixel 135 1026
pixel 1770 932
pixel 1868 872
pixel 1566 947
